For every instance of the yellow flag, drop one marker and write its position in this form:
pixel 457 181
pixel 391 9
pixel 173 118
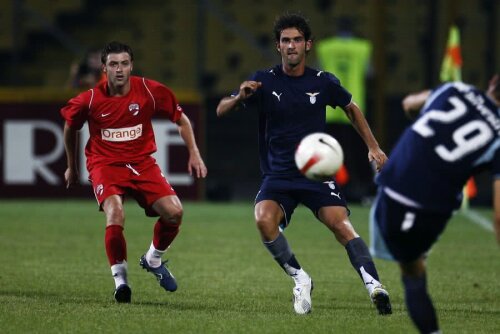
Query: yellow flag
pixel 451 69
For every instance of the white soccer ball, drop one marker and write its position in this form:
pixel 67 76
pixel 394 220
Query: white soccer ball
pixel 319 156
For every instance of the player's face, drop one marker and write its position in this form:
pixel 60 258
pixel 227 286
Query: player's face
pixel 118 68
pixel 293 47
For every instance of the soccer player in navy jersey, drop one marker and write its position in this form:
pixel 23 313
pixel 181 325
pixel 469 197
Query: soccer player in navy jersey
pixel 456 135
pixel 291 100
pixel 119 112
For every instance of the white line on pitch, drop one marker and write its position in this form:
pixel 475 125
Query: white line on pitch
pixel 478 219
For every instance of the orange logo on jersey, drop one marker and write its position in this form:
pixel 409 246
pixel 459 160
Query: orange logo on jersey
pixel 122 134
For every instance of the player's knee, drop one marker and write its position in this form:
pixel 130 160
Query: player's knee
pixel 174 216
pixel 115 216
pixel 263 221
pixel 266 224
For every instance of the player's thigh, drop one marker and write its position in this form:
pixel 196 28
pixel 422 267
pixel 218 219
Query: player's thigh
pixel 268 212
pixel 319 195
pixel 152 191
pixel 268 215
pixel 113 208
pixel 408 232
pixel 275 203
pixel 336 219
pixel 109 180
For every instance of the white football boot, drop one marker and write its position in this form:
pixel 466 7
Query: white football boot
pixel 302 303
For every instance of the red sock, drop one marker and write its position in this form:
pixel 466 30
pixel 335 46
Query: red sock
pixel 116 247
pixel 164 234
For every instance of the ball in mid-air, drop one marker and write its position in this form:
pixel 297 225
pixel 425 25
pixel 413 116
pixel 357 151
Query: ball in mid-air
pixel 319 156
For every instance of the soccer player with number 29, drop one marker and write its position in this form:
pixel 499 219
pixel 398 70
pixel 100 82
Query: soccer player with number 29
pixel 456 135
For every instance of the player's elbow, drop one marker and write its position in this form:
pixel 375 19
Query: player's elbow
pixel 219 110
pixel 222 109
pixel 409 107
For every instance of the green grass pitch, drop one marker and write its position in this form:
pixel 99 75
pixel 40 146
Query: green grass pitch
pixel 54 275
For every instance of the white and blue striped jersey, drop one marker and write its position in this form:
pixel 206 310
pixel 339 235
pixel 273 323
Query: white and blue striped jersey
pixel 289 109
pixel 456 135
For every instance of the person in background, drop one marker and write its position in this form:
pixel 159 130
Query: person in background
pixel 291 99
pixel 87 72
pixel 456 134
pixel 119 112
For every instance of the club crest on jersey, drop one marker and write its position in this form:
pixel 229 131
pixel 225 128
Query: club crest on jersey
pixel 330 184
pixel 99 190
pixel 312 97
pixel 134 108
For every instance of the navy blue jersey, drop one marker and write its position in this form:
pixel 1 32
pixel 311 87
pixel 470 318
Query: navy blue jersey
pixel 289 109
pixel 456 135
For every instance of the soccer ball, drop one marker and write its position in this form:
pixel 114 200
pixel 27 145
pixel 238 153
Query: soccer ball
pixel 319 156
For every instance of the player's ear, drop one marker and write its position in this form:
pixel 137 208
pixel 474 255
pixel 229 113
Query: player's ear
pixel 309 45
pixel 103 67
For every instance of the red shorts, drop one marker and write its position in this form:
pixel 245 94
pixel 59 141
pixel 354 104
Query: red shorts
pixel 143 181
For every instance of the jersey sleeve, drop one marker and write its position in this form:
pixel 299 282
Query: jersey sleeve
pixel 165 101
pixel 76 111
pixel 338 95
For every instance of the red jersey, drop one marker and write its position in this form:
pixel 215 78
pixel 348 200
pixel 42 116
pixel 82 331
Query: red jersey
pixel 120 127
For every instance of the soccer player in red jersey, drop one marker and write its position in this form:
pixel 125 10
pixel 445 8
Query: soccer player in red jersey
pixel 119 161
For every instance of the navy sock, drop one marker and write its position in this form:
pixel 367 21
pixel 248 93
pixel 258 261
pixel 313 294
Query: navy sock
pixel 360 257
pixel 419 304
pixel 281 252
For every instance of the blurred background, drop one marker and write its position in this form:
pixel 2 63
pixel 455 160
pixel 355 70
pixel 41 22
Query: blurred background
pixel 203 49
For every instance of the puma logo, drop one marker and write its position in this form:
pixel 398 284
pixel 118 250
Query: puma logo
pixel 335 194
pixel 277 96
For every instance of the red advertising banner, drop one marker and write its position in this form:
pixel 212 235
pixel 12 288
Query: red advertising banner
pixel 32 156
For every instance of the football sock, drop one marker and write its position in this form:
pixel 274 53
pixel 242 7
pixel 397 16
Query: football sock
pixel 419 304
pixel 282 253
pixel 153 256
pixel 116 247
pixel 362 262
pixel 164 233
pixel 119 272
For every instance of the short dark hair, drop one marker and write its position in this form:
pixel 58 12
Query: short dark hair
pixel 115 47
pixel 292 20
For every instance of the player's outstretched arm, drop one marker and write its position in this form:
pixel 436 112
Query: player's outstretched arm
pixel 228 103
pixel 196 165
pixel 412 103
pixel 375 153
pixel 496 207
pixel 70 144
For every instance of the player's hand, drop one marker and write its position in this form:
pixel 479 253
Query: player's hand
pixel 248 88
pixel 377 157
pixel 196 166
pixel 71 178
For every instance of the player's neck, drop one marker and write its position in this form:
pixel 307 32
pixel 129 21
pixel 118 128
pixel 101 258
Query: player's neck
pixel 118 90
pixel 294 71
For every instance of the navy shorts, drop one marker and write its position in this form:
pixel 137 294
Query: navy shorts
pixel 289 192
pixel 401 232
